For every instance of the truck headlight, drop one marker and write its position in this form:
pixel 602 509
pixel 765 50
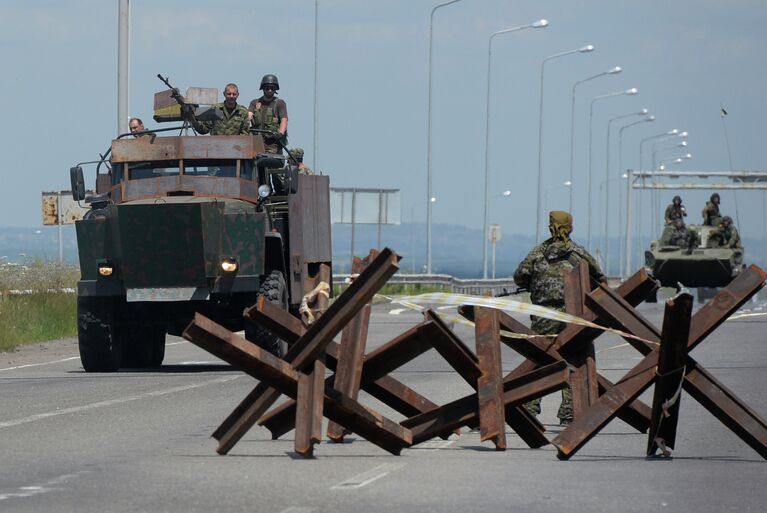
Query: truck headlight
pixel 264 191
pixel 229 265
pixel 106 269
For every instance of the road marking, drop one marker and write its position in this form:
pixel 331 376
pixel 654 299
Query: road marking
pixel 435 444
pixel 299 509
pixel 38 364
pixel 31 491
pixel 368 477
pixel 397 311
pixel 112 402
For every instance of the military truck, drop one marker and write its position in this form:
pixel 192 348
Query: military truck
pixel 705 266
pixel 183 224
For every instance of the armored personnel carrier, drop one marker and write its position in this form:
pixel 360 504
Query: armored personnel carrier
pixel 185 224
pixel 705 266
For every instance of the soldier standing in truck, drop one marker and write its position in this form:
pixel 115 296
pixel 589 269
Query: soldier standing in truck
pixel 235 120
pixel 270 113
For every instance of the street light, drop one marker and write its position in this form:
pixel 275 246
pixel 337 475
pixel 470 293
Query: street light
pixel 674 160
pixel 428 141
pixel 537 24
pixel 582 49
pixel 625 246
pixel 412 233
pixel 656 150
pixel 605 249
pixel 611 71
pixel 566 183
pixel 629 92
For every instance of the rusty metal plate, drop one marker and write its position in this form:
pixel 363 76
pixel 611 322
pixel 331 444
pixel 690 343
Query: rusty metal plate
pixel 186 147
pixel 69 210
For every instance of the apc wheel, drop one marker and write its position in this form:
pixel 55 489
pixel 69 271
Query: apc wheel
pixel 272 288
pixel 100 349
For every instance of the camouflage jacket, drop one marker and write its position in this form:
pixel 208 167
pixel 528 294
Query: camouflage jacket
pixel 710 214
pixel 233 123
pixel 673 213
pixel 683 237
pixel 730 237
pixel 542 270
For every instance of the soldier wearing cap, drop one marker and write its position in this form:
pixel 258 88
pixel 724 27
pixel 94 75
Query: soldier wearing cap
pixel 270 113
pixel 298 156
pixel 542 273
pixel 710 212
pixel 675 210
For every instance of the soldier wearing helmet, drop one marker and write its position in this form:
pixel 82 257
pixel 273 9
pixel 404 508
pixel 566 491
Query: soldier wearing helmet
pixel 297 155
pixel 710 212
pixel 270 113
pixel 727 235
pixel 675 210
pixel 542 273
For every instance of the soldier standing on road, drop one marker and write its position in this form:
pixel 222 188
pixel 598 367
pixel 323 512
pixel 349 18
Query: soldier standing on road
pixel 298 155
pixel 542 273
pixel 270 113
pixel 675 210
pixel 710 212
pixel 235 120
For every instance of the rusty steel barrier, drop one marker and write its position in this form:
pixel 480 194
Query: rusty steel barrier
pixel 497 400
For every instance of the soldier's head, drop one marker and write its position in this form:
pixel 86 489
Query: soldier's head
pixel 560 224
pixel 726 221
pixel 677 200
pixel 270 85
pixel 136 125
pixel 679 224
pixel 298 154
pixel 715 198
pixel 231 93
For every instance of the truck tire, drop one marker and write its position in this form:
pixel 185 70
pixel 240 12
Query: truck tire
pixel 100 349
pixel 272 288
pixel 144 347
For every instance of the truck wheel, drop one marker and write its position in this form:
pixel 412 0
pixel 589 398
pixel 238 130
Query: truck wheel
pixel 144 347
pixel 272 288
pixel 100 349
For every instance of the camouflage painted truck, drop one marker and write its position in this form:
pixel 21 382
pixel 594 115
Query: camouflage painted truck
pixel 185 224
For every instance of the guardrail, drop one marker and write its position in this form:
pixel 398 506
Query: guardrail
pixel 477 287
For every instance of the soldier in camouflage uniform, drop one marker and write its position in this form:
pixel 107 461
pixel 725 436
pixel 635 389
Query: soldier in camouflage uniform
pixel 675 210
pixel 270 113
pixel 710 212
pixel 298 155
pixel 542 273
pixel 234 122
pixel 683 236
pixel 727 236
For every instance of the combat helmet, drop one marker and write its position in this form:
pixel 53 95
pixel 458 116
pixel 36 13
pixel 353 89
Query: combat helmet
pixel 298 154
pixel 715 195
pixel 726 219
pixel 270 80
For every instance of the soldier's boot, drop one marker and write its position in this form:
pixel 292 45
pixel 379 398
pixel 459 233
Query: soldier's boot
pixel 534 406
pixel 565 413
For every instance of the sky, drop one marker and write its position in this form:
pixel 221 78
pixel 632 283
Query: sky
pixel 687 59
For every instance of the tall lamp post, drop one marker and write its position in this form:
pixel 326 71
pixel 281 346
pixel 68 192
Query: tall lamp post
pixel 428 140
pixel 537 24
pixel 611 71
pixel 582 49
pixel 629 92
pixel 625 246
pixel 605 249
pixel 412 233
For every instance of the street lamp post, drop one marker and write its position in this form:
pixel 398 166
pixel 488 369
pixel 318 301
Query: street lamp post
pixel 629 92
pixel 315 140
pixel 583 49
pixel 605 244
pixel 412 234
pixel 611 71
pixel 655 150
pixel 537 24
pixel 625 245
pixel 428 140
pixel 495 230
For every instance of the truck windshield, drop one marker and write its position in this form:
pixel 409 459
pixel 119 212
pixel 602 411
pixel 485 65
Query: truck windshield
pixel 212 167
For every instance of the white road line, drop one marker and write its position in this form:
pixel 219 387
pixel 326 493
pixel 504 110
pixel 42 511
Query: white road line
pixel 38 364
pixel 299 509
pixel 435 444
pixel 397 311
pixel 30 491
pixel 368 477
pixel 112 402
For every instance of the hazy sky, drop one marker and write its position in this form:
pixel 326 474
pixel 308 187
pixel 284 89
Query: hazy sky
pixel 58 84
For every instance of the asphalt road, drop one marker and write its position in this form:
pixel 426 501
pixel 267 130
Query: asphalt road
pixel 140 441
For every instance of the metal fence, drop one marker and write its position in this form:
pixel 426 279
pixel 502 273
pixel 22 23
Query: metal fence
pixel 476 287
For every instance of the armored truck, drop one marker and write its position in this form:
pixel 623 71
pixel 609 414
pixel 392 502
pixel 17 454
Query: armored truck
pixel 705 266
pixel 183 224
